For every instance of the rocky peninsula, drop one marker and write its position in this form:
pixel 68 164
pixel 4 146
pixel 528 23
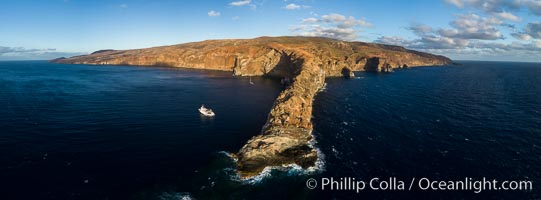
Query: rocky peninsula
pixel 302 62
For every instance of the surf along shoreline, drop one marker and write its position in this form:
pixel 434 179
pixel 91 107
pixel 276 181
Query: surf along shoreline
pixel 303 63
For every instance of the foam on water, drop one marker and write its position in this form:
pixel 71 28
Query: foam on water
pixel 175 196
pixel 289 169
pixel 323 88
pixel 229 155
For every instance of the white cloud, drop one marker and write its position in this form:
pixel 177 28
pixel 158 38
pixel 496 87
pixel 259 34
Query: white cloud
pixel 472 37
pixel 20 53
pixel 532 31
pixel 465 30
pixel 499 6
pixel 249 3
pixel 330 32
pixel 420 29
pixel 508 16
pixel 521 36
pixel 240 3
pixel 393 40
pixel 489 6
pixel 293 6
pixel 537 44
pixel 332 25
pixel 479 36
pixel 8 50
pixel 310 20
pixel 213 13
pixel 500 9
pixel 468 49
pixel 123 5
pixel 343 21
pixel 472 26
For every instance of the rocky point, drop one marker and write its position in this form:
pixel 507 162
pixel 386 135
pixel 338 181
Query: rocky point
pixel 305 61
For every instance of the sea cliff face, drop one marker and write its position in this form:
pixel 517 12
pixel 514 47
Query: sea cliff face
pixel 305 61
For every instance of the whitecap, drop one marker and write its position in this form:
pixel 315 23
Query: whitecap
pixel 323 88
pixel 175 196
pixel 335 151
pixel 229 155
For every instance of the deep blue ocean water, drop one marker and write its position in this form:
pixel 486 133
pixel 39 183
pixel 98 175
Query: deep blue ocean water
pixel 122 132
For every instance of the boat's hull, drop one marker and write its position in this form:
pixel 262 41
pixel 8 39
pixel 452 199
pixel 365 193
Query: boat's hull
pixel 208 114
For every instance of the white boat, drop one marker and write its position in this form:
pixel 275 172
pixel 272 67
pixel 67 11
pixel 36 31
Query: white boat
pixel 206 111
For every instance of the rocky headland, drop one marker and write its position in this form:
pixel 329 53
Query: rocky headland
pixel 302 62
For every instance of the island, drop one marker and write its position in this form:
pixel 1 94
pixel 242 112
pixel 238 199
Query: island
pixel 302 63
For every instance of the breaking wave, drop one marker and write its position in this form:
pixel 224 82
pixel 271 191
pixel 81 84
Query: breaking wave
pixel 287 170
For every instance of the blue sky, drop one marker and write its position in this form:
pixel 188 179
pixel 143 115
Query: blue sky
pixel 460 29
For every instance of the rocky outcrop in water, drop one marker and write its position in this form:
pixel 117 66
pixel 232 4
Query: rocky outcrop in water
pixel 286 135
pixel 302 62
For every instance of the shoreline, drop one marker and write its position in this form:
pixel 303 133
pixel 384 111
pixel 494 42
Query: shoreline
pixel 286 136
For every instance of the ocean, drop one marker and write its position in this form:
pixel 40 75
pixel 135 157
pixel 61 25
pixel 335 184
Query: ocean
pixel 125 132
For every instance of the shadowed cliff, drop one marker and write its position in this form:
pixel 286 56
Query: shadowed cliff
pixel 305 61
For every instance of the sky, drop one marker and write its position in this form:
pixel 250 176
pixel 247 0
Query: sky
pixel 495 30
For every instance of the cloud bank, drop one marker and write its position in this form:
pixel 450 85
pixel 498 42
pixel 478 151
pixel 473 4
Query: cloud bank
pixel 332 25
pixel 479 33
pixel 20 53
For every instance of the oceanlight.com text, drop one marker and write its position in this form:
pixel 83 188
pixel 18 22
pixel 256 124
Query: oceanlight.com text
pixel 395 184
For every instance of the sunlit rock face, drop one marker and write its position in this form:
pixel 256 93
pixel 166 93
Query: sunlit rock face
pixel 304 62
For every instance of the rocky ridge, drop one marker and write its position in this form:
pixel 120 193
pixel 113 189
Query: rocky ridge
pixel 306 61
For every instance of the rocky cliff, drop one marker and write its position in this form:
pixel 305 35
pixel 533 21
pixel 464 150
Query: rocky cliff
pixel 304 61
